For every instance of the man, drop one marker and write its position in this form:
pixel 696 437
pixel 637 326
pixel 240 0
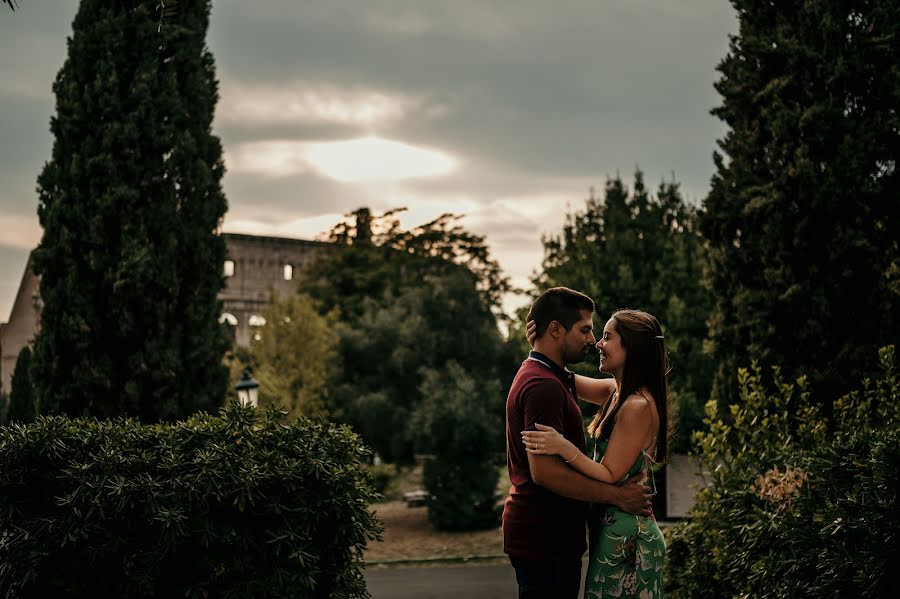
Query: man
pixel 545 514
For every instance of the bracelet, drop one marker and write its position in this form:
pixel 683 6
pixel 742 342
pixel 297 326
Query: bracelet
pixel 573 457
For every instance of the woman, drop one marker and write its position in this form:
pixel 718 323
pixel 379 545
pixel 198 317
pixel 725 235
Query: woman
pixel 627 551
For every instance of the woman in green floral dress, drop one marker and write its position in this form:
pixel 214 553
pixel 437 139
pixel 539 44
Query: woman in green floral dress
pixel 626 551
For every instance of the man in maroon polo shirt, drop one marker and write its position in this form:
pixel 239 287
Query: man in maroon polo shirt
pixel 545 514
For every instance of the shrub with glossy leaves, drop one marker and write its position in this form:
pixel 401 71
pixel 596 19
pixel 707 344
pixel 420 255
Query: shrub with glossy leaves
pixel 235 505
pixel 798 506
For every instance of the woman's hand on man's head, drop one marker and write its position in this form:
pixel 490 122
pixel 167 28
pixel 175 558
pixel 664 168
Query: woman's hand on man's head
pixel 531 332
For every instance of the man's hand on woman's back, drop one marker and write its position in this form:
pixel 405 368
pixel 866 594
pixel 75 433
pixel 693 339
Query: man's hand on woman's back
pixel 634 496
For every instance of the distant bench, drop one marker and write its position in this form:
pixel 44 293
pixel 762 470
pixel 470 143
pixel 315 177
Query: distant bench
pixel 415 498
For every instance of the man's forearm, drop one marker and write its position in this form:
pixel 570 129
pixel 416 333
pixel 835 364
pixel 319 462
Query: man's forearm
pixel 562 480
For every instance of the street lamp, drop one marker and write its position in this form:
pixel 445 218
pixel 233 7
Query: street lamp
pixel 247 389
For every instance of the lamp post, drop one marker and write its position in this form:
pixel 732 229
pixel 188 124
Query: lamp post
pixel 247 389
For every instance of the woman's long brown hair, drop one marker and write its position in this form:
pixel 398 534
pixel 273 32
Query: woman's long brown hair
pixel 645 368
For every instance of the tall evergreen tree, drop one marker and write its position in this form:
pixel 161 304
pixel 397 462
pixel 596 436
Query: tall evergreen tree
pixel 21 397
pixel 131 203
pixel 802 214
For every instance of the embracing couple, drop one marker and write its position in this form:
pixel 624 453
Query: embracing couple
pixel 556 488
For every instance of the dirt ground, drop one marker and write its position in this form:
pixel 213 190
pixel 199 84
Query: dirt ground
pixel 409 536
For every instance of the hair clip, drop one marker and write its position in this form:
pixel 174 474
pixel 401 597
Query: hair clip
pixel 660 337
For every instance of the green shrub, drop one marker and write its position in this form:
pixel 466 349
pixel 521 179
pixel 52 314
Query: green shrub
pixel 382 475
pixel 456 423
pixel 798 506
pixel 461 494
pixel 237 505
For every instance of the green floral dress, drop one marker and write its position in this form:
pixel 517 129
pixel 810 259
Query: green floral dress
pixel 626 551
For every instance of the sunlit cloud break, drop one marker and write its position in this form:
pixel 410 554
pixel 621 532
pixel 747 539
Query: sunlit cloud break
pixel 376 159
pixel 357 160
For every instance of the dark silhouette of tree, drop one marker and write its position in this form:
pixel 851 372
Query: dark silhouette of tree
pixel 374 254
pixel 131 203
pixel 802 214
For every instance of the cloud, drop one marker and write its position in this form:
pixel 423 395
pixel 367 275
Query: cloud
pixel 304 102
pixel 375 159
pixel 365 159
pixel 532 102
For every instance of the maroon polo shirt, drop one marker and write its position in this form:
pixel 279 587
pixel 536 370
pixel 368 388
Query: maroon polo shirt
pixel 538 523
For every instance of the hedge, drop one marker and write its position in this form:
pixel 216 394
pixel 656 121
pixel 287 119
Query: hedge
pixel 235 505
pixel 799 504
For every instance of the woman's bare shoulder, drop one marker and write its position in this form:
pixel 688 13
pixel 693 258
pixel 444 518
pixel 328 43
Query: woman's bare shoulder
pixel 639 405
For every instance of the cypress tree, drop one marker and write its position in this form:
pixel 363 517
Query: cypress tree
pixel 802 214
pixel 131 204
pixel 21 396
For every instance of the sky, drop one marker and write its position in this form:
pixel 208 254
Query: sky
pixel 507 112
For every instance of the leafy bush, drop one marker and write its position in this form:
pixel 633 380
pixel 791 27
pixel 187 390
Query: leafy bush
pixel 461 494
pixel 798 506
pixel 457 423
pixel 382 475
pixel 379 385
pixel 237 505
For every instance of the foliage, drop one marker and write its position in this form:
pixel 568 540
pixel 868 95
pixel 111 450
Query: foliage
pixel 456 421
pixel 294 357
pixel 384 355
pixel 239 505
pixel 802 214
pixel 796 506
pixel 409 301
pixel 382 475
pixel 21 396
pixel 130 202
pixel 643 251
pixel 376 256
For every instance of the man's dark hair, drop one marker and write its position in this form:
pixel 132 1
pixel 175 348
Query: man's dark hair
pixel 561 304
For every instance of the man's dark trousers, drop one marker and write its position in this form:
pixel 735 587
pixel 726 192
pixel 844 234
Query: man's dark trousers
pixel 548 578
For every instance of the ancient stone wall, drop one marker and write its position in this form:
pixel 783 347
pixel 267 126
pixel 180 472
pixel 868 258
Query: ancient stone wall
pixel 22 326
pixel 260 266
pixel 256 267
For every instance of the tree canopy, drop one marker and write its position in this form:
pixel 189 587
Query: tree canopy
pixel 409 302
pixel 375 254
pixel 295 356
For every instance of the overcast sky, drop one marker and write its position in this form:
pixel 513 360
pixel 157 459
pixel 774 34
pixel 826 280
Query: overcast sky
pixel 507 112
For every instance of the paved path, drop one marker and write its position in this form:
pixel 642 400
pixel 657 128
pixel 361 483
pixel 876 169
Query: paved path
pixel 488 581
